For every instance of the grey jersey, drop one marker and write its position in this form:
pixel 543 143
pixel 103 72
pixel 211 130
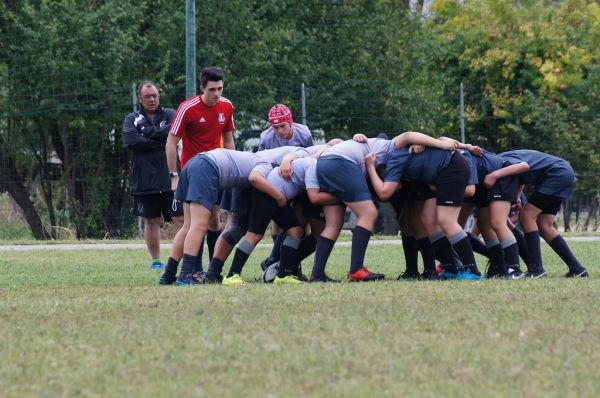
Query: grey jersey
pixel 276 155
pixel 301 137
pixel 304 176
pixel 356 151
pixel 235 166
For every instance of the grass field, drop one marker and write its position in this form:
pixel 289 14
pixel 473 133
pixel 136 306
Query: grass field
pixel 94 323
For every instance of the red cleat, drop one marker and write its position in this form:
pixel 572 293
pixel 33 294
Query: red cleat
pixel 364 275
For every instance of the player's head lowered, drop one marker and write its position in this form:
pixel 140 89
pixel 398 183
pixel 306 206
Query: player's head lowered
pixel 148 96
pixel 280 118
pixel 211 84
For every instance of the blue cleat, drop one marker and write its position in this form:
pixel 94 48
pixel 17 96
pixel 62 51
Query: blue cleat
pixel 189 279
pixel 467 275
pixel 167 279
pixel 157 266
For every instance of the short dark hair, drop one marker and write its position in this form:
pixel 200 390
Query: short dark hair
pixel 211 74
pixel 144 84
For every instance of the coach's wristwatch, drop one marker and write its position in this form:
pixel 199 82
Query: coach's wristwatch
pixel 173 174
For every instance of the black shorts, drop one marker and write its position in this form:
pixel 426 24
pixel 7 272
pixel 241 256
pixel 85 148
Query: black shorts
pixel 155 205
pixel 548 204
pixel 309 209
pixel 452 181
pixel 264 209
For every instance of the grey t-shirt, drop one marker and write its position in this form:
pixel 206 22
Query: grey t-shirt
pixel 301 137
pixel 356 151
pixel 235 166
pixel 276 155
pixel 304 176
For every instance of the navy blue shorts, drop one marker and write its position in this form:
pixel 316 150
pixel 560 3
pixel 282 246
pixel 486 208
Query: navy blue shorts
pixel 265 209
pixel 548 204
pixel 452 181
pixel 155 205
pixel 225 199
pixel 309 209
pixel 199 182
pixel 241 201
pixel 505 190
pixel 342 178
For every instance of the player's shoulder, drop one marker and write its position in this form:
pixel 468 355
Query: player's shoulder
pixel 225 102
pixel 302 128
pixel 188 103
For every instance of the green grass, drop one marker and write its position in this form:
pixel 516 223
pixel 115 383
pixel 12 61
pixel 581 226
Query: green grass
pixel 94 323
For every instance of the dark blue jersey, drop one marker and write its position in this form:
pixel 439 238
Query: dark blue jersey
pixel 486 164
pixel 424 166
pixel 553 175
pixel 473 179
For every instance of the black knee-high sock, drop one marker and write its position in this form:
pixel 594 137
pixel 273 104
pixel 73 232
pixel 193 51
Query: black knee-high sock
pixel 276 250
pixel 511 253
pixel 360 241
pixel 187 265
pixel 215 267
pixel 426 254
pixel 460 243
pixel 211 241
pixel 442 250
pixel 171 267
pixel 411 253
pixel 535 251
pixel 561 248
pixel 289 252
pixel 308 244
pixel 496 256
pixel 198 264
pixel 242 253
pixel 323 250
pixel 522 246
pixel 477 245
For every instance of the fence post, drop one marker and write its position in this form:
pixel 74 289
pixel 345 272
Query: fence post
pixel 190 48
pixel 303 101
pixel 462 113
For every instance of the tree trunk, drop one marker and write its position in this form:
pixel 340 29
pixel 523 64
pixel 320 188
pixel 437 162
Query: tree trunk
pixel 591 213
pixel 11 182
pixel 567 214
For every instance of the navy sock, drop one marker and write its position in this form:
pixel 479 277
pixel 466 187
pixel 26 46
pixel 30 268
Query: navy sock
pixel 411 253
pixel 211 241
pixel 443 252
pixel 496 256
pixel 426 254
pixel 289 251
pixel 477 245
pixel 511 253
pixel 460 243
pixel 171 267
pixel 187 265
pixel 360 241
pixel 242 253
pixel 306 248
pixel 522 245
pixel 323 250
pixel 532 239
pixel 276 250
pixel 198 264
pixel 215 267
pixel 561 248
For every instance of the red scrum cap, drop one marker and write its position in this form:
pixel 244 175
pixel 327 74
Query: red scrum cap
pixel 280 114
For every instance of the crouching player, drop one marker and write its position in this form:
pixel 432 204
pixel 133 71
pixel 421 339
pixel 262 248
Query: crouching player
pixel 554 179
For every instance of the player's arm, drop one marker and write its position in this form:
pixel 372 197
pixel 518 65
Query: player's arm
pixel 511 170
pixel 321 198
pixel 133 137
pixel 259 182
pixel 228 142
pixel 285 168
pixel 171 151
pixel 414 138
pixel 384 190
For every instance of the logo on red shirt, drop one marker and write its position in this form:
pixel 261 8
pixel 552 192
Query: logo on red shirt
pixel 221 118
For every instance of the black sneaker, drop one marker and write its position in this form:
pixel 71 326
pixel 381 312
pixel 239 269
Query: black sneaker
pixel 324 278
pixel 207 279
pixel 409 275
pixel 298 274
pixel 189 279
pixel 536 274
pixel 431 275
pixel 167 279
pixel 266 263
pixel 578 273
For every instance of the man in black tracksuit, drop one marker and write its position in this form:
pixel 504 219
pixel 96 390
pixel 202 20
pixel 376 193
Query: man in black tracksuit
pixel 145 133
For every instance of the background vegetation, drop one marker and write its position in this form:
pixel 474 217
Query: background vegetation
pixel 530 68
